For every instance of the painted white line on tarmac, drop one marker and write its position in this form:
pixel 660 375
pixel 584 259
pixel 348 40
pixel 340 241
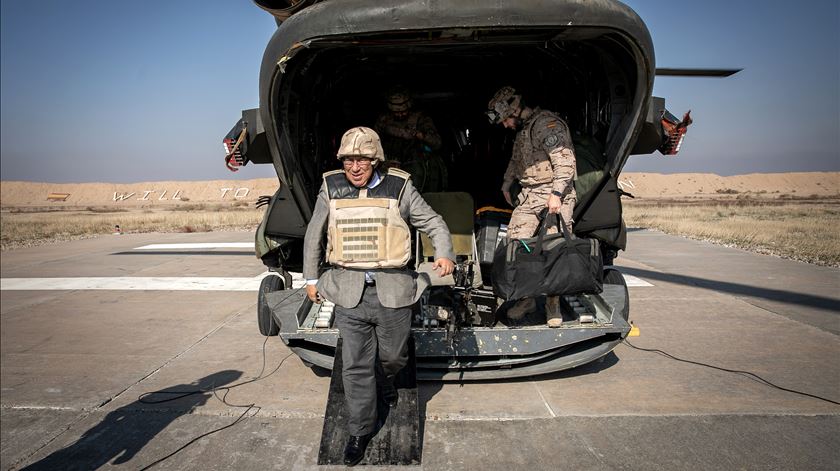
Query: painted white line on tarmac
pixel 169 283
pixel 203 245
pixel 162 283
pixel 634 281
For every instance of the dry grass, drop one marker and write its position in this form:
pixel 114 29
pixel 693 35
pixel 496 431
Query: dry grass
pixel 806 231
pixel 802 230
pixel 33 228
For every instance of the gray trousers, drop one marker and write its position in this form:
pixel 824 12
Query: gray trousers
pixel 368 331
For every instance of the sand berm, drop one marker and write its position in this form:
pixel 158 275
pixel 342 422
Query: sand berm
pixel 18 194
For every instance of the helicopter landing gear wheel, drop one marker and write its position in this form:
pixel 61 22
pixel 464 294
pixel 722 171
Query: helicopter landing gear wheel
pixel 268 326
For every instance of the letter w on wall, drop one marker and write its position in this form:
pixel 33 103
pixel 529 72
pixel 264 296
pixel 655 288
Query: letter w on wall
pixel 122 196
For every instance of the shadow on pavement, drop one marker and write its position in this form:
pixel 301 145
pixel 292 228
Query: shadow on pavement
pixel 426 390
pixel 125 431
pixel 782 296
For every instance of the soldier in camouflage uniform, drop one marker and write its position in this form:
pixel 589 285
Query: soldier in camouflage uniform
pixel 544 163
pixel 410 138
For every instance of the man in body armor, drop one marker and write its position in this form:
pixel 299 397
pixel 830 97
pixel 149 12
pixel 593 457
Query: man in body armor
pixel 544 163
pixel 410 138
pixel 365 214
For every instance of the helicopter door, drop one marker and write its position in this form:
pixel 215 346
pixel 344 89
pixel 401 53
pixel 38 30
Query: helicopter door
pixel 282 224
pixel 283 217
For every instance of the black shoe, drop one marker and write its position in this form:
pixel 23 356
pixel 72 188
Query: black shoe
pixel 355 449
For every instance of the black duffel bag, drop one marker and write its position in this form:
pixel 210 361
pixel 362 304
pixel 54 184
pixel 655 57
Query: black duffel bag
pixel 548 264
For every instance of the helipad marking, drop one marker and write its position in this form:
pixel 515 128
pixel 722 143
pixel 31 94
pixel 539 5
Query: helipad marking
pixel 634 281
pixel 202 245
pixel 181 283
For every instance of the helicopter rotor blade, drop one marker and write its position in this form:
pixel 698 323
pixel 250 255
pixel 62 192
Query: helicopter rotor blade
pixel 674 72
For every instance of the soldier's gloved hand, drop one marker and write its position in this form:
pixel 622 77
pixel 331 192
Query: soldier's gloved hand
pixel 507 197
pixel 553 204
pixel 313 294
pixel 445 266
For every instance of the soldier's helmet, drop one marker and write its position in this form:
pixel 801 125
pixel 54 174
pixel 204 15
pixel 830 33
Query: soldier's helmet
pixel 361 142
pixel 503 104
pixel 399 100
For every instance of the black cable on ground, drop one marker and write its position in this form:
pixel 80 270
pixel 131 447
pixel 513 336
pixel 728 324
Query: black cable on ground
pixel 214 390
pixel 741 372
pixel 181 394
pixel 223 399
pixel 196 439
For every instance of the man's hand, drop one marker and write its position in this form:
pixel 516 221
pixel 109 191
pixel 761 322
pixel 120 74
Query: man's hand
pixel 312 294
pixel 553 204
pixel 445 265
pixel 507 197
pixel 419 135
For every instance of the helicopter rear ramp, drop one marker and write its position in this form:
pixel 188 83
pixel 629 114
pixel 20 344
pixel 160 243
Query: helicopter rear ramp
pixel 397 440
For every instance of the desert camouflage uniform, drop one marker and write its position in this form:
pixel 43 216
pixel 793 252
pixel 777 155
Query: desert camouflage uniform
pixel 543 161
pixel 417 157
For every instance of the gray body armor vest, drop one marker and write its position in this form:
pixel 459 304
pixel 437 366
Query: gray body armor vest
pixel 365 228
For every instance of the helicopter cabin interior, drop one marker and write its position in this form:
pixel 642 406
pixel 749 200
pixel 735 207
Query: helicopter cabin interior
pixel 589 76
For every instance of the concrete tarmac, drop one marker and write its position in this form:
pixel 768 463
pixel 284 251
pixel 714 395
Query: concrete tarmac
pixel 77 367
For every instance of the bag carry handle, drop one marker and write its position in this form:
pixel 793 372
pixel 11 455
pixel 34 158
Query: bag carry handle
pixel 562 223
pixel 541 231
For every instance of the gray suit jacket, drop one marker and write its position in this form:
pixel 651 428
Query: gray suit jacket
pixel 395 287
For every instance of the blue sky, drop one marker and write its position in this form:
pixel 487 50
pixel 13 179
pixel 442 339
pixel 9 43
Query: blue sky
pixel 124 92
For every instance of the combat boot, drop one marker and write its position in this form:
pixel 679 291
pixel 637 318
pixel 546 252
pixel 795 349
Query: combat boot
pixel 521 308
pixel 553 315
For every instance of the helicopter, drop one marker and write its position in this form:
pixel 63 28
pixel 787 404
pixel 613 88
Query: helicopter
pixel 324 71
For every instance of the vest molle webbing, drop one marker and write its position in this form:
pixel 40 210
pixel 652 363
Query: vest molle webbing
pixel 366 229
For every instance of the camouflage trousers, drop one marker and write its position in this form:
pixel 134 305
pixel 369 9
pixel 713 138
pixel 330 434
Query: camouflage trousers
pixel 524 221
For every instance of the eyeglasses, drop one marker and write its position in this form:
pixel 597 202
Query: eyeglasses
pixel 361 162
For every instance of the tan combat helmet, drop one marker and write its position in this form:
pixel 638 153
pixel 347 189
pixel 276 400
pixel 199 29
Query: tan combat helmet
pixel 361 142
pixel 399 100
pixel 503 105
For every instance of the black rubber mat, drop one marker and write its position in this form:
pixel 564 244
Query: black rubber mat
pixel 397 441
